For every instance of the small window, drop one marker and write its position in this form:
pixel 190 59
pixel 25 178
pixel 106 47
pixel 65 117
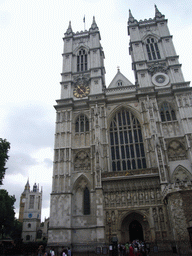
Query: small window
pixel 120 83
pixel 27 238
pixel 39 234
pixel 152 49
pixel 82 124
pixel 82 61
pixel 29 225
pixel 167 113
pixel 86 201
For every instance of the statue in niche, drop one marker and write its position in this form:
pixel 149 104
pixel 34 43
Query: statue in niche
pixel 112 199
pixel 123 198
pixel 107 216
pixel 158 195
pixel 128 197
pixel 155 218
pixel 146 195
pixel 117 198
pixel 97 157
pixel 98 176
pixel 152 196
pixel 161 216
pixel 106 199
pixel 180 101
pixel 113 217
pixel 154 106
pixel 143 106
pixel 135 197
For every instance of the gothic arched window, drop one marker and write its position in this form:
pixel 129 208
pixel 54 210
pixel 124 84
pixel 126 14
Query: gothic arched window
pixel 82 60
pixel 39 234
pixel 86 202
pixel 82 124
pixel 167 113
pixel 126 142
pixel 28 238
pixel 152 49
pixel 29 225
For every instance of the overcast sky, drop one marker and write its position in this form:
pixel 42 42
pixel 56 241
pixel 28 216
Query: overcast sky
pixel 31 63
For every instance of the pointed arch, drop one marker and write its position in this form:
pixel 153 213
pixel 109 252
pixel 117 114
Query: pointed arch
pixel 126 141
pixel 81 202
pixel 181 174
pixel 167 112
pixel 77 183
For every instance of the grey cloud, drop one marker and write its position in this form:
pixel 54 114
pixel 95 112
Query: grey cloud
pixel 19 163
pixel 30 126
pixel 48 162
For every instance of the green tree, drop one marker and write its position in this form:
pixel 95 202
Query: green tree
pixel 4 148
pixel 7 214
pixel 16 230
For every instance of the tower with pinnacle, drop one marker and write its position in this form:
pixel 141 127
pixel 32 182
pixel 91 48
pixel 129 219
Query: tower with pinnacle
pixel 30 212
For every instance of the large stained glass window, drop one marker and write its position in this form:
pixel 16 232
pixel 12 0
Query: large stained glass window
pixel 126 142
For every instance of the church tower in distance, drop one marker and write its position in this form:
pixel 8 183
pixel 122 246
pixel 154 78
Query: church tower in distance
pixel 30 212
pixel 122 161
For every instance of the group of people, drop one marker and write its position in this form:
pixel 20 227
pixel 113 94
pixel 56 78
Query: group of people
pixel 136 248
pixel 51 252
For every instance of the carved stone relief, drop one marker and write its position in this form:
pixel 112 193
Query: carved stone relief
pixel 82 161
pixel 176 151
pixel 181 174
pixel 132 198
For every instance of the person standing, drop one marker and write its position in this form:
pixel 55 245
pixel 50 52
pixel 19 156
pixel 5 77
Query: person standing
pixel 131 253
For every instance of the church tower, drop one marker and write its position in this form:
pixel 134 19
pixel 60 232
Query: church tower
pixel 76 214
pixel 30 212
pixel 122 161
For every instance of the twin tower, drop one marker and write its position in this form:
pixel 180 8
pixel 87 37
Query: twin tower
pixel 122 158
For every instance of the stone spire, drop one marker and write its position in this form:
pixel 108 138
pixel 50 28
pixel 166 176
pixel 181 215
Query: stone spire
pixel 69 30
pixel 27 186
pixel 131 18
pixel 158 14
pixel 94 25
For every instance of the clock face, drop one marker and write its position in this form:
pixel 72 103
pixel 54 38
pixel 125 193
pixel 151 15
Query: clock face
pixel 81 91
pixel 30 215
pixel 23 200
pixel 160 79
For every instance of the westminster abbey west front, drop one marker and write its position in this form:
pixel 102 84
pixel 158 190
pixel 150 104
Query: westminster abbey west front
pixel 122 161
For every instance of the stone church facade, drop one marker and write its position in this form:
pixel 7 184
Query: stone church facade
pixel 122 161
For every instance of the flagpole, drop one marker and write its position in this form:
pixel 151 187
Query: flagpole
pixel 84 22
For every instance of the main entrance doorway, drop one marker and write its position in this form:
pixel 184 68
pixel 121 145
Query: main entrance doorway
pixel 135 231
pixel 134 226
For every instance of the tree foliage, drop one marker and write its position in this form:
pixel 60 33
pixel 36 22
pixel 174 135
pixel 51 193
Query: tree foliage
pixel 4 148
pixel 7 214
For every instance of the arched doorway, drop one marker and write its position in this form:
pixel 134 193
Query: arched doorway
pixel 135 231
pixel 134 226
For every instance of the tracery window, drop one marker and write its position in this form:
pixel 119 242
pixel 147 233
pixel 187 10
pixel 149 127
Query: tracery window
pixel 82 60
pixel 152 49
pixel 167 113
pixel 126 142
pixel 86 202
pixel 31 201
pixel 82 124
